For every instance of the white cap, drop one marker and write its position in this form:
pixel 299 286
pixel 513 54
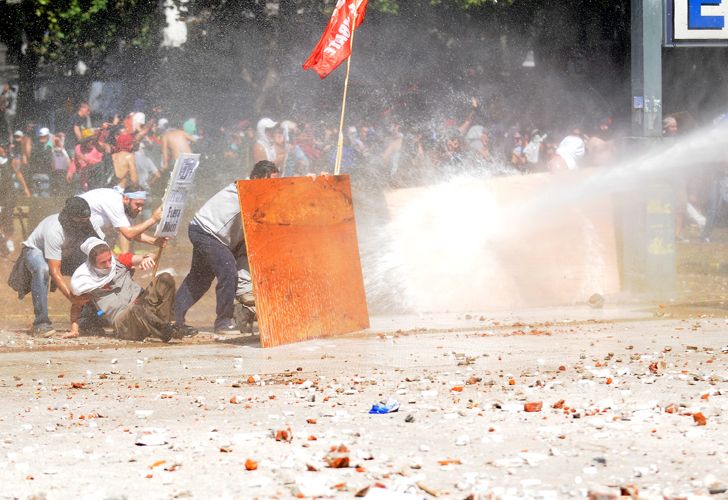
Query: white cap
pixel 267 123
pixel 18 133
pixel 43 132
pixel 92 243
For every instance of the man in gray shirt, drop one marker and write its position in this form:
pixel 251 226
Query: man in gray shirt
pixel 106 281
pixel 53 245
pixel 216 233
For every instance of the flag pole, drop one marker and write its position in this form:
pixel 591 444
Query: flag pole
pixel 340 144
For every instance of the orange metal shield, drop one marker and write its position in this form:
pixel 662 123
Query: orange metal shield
pixel 304 258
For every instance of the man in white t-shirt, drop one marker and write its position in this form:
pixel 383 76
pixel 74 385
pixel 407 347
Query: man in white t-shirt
pixel 113 210
pixel 57 238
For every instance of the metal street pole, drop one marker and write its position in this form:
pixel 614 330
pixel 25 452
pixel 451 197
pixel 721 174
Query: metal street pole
pixel 647 33
pixel 649 234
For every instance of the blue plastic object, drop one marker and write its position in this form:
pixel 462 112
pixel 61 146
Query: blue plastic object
pixel 391 406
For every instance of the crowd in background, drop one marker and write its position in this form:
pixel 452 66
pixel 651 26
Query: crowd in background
pixel 401 154
pixel 388 150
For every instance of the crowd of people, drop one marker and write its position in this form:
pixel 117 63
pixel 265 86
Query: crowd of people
pixel 104 174
pixel 402 154
pixel 140 147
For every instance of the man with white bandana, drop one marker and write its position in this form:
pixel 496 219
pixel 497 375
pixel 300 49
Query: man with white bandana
pixel 114 210
pixel 106 282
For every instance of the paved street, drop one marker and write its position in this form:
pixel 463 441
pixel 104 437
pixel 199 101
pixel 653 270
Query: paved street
pixel 628 401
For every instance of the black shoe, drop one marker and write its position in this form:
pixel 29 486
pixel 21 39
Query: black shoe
pixel 245 317
pixel 181 331
pixel 167 332
pixel 227 328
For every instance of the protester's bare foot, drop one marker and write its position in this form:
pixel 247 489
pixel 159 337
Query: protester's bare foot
pixel 71 334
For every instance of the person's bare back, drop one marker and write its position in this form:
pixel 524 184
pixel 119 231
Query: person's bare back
pixel 125 168
pixel 174 143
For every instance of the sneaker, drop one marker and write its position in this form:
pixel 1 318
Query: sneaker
pixel 227 328
pixel 43 329
pixel 181 331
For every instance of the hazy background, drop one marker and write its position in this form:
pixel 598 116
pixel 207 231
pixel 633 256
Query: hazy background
pixel 225 60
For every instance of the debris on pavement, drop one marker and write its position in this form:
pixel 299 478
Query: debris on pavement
pixel 618 410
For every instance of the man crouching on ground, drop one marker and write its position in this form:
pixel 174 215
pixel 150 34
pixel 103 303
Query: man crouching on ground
pixel 106 281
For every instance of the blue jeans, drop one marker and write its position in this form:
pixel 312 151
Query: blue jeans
pixel 36 264
pixel 210 259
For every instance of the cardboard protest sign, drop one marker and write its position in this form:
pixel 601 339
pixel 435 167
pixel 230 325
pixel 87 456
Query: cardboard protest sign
pixel 175 197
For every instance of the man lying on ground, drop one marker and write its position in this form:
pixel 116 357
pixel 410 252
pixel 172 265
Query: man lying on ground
pixel 134 312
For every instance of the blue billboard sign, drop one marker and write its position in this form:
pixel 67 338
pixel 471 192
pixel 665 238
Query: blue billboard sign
pixel 696 22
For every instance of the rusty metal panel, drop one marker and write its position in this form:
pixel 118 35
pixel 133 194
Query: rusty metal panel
pixel 304 258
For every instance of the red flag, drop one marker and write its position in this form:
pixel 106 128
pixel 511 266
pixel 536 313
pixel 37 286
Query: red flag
pixel 335 44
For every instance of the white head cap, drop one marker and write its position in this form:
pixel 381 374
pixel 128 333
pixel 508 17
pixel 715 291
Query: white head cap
pixel 92 243
pixel 266 123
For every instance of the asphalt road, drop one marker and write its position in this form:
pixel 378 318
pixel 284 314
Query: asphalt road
pixel 623 395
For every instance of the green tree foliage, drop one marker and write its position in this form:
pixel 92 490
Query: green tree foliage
pixel 62 32
pixel 238 45
pixel 89 29
pixel 56 34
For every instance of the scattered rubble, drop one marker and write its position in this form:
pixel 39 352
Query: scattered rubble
pixel 620 410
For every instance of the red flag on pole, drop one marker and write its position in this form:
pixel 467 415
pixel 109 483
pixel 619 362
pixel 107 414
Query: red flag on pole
pixel 335 46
